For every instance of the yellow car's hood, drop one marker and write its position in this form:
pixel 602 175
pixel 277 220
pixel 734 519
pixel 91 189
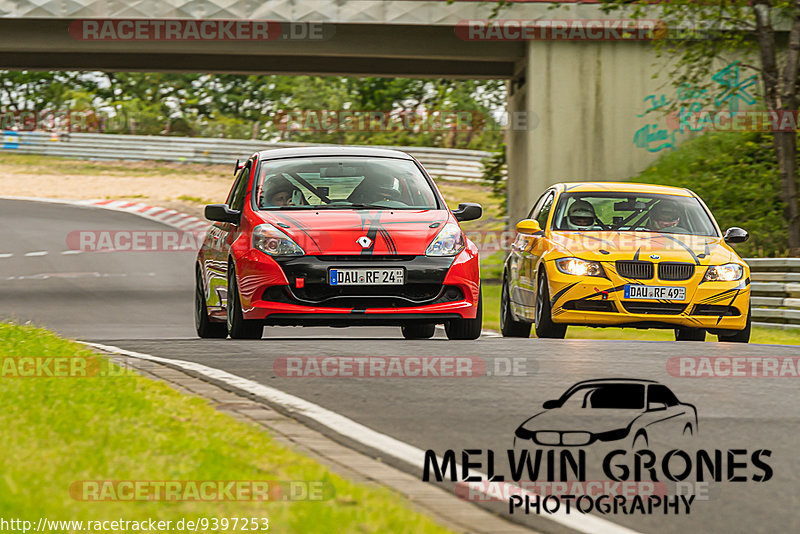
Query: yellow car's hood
pixel 613 246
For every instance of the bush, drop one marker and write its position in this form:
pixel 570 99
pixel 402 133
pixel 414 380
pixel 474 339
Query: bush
pixel 736 175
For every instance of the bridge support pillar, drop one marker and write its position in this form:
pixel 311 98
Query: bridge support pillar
pixel 581 104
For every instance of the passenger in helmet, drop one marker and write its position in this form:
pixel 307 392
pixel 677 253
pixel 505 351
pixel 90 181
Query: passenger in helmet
pixel 665 216
pixel 581 216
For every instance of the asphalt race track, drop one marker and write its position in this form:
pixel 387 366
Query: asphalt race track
pixel 142 301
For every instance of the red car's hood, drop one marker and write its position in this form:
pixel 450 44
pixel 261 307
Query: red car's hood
pixel 404 232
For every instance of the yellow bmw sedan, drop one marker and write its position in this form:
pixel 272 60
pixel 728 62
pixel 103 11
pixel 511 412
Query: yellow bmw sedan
pixel 625 255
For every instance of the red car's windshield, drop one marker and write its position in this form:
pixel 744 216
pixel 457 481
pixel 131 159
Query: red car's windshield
pixel 333 182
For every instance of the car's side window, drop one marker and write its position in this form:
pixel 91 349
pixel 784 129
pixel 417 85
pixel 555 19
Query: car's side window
pixel 537 205
pixel 659 393
pixel 236 200
pixel 235 187
pixel 544 212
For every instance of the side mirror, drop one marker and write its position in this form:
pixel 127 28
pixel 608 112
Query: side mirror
pixel 549 405
pixel 656 406
pixel 468 211
pixel 222 213
pixel 734 234
pixel 529 227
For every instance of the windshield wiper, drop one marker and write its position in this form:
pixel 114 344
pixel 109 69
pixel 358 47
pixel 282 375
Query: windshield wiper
pixel 359 205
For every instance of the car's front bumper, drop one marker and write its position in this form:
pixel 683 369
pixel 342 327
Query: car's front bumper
pixel 597 301
pixel 296 290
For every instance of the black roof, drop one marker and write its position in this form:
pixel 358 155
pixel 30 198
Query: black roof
pixel 312 151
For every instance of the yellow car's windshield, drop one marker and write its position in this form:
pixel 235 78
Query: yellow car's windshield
pixel 632 212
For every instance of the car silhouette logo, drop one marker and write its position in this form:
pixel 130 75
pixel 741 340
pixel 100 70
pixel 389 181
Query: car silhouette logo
pixel 610 409
pixel 655 256
pixel 364 241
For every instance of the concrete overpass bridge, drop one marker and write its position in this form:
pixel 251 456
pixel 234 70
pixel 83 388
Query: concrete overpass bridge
pixel 584 100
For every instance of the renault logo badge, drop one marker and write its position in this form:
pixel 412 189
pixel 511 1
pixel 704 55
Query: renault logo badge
pixel 364 241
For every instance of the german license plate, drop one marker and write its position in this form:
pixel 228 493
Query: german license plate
pixel 366 277
pixel 655 292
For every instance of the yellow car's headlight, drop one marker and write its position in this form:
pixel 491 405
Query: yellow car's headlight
pixel 724 273
pixel 579 267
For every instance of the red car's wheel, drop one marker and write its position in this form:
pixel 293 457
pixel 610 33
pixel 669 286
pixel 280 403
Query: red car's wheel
pixel 204 326
pixel 419 331
pixel 466 328
pixel 238 326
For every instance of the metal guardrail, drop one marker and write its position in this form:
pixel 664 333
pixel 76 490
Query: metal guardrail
pixel 775 292
pixel 442 163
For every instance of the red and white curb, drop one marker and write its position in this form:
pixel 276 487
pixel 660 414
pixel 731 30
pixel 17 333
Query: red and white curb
pixel 172 218
pixel 169 217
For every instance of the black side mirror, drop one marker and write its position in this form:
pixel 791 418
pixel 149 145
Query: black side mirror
pixel 468 211
pixel 549 405
pixel 735 234
pixel 222 213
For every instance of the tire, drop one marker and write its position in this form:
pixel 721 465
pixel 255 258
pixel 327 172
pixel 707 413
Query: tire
pixel 509 326
pixel 739 336
pixel 690 334
pixel 419 331
pixel 238 326
pixel 466 328
pixel 205 327
pixel 543 323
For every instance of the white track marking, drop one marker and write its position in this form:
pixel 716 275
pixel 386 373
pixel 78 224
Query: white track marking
pixel 340 424
pixel 69 252
pixel 36 253
pixel 6 255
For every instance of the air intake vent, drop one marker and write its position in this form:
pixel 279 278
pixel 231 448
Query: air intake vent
pixel 675 271
pixel 657 308
pixel 640 270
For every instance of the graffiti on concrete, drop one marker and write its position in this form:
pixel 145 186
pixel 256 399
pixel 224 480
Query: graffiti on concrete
pixel 661 134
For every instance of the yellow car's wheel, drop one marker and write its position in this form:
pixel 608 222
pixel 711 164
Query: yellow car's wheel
pixel 543 318
pixel 509 326
pixel 740 336
pixel 690 334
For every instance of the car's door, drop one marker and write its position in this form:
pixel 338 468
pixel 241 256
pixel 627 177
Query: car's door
pixel 520 285
pixel 533 248
pixel 236 202
pixel 221 235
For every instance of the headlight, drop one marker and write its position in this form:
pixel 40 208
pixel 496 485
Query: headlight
pixel 724 273
pixel 580 267
pixel 449 242
pixel 272 241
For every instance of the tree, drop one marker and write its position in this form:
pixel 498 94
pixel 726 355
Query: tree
pixel 698 33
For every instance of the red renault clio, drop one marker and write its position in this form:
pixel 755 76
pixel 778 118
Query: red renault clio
pixel 337 236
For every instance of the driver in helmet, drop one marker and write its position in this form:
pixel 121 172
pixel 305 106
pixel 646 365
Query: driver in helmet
pixel 665 215
pixel 581 216
pixel 279 191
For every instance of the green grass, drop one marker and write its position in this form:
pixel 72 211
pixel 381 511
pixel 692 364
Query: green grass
pixel 57 431
pixel 491 321
pixel 737 176
pixel 195 200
